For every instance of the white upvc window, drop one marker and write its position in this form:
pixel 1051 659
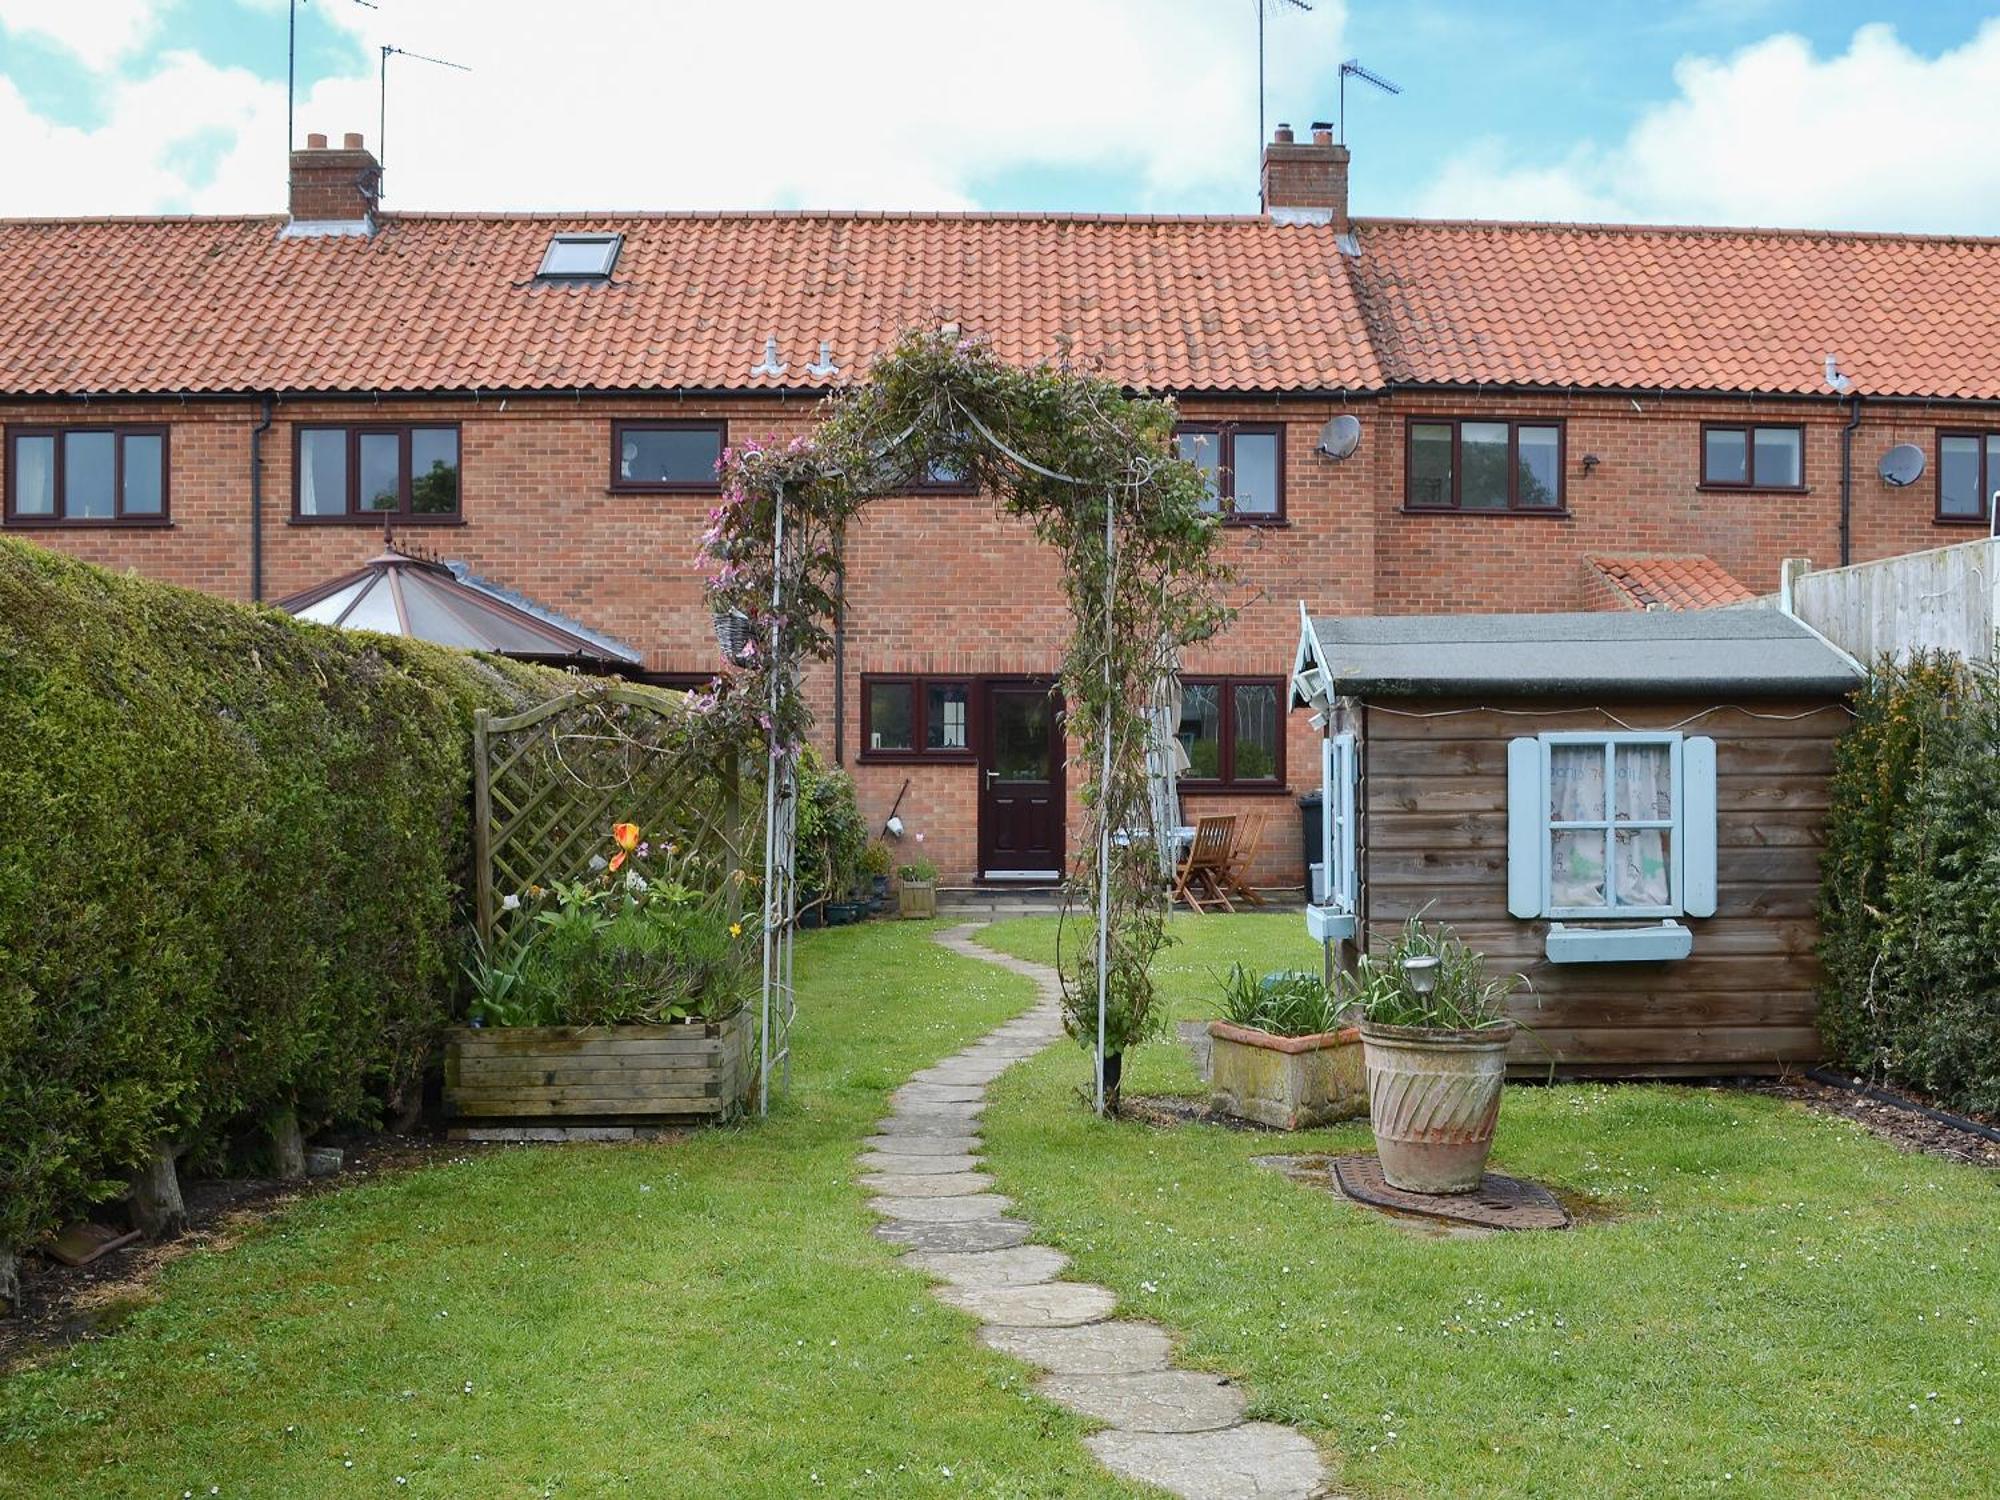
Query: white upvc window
pixel 1611 826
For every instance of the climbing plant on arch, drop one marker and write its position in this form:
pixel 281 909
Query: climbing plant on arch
pixel 1093 470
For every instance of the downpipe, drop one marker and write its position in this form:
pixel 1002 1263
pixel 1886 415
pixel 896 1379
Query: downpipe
pixel 257 502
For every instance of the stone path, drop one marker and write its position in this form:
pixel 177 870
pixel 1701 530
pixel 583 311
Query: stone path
pixel 1180 1430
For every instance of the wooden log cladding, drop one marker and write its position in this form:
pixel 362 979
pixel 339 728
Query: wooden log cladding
pixel 699 1070
pixel 1434 841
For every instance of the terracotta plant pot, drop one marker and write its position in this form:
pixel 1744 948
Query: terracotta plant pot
pixel 1433 1099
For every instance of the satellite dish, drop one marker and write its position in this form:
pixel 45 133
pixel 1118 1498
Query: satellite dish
pixel 1901 465
pixel 1340 437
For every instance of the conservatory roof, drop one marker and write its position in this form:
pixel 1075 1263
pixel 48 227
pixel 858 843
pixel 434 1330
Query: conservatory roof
pixel 397 593
pixel 1753 652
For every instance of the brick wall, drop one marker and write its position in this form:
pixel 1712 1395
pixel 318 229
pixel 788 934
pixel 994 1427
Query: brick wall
pixel 940 584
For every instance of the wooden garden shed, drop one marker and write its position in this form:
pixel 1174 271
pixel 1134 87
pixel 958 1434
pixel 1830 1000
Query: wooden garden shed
pixel 1626 808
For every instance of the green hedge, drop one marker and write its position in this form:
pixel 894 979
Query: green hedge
pixel 1910 907
pixel 232 851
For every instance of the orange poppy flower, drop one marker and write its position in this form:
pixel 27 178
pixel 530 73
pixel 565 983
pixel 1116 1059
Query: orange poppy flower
pixel 618 859
pixel 627 836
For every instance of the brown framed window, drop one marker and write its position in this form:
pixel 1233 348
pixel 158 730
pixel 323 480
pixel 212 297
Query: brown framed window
pixel 1968 471
pixel 652 458
pixel 940 478
pixel 87 476
pixel 1753 457
pixel 1487 466
pixel 1244 463
pixel 404 472
pixel 916 718
pixel 1233 729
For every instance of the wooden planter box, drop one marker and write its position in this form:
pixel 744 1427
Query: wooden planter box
pixel 1290 1082
pixel 685 1073
pixel 916 898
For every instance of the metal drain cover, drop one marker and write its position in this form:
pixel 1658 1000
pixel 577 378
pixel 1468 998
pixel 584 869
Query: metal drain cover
pixel 1498 1203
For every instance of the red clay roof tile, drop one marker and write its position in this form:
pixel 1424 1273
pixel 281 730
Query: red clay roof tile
pixel 1693 582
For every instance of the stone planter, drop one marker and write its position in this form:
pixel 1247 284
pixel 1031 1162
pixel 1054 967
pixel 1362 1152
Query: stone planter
pixel 1433 1099
pixel 686 1072
pixel 1288 1082
pixel 916 898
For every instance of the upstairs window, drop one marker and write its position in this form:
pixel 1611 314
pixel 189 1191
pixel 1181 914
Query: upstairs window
pixel 1753 458
pixel 924 718
pixel 375 473
pixel 1244 464
pixel 666 457
pixel 1484 466
pixel 1233 730
pixel 86 476
pixel 580 257
pixel 1968 471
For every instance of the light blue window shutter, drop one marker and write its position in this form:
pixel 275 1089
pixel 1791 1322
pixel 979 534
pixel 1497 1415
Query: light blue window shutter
pixel 1698 827
pixel 1343 876
pixel 1527 826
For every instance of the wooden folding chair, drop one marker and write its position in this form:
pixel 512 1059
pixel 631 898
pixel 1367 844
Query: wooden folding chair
pixel 1235 877
pixel 1198 879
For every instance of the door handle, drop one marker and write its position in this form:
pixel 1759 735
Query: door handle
pixel 991 777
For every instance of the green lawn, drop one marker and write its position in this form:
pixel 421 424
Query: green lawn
pixel 1783 1305
pixel 704 1318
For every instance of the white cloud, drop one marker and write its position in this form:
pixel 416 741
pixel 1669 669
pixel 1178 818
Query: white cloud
pixel 99 32
pixel 892 103
pixel 1877 137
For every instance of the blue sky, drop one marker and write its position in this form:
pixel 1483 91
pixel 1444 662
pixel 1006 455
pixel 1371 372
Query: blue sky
pixel 1767 111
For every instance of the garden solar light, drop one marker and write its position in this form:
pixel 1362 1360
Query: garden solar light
pixel 1422 972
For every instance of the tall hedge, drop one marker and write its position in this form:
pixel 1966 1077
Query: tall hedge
pixel 232 851
pixel 1910 906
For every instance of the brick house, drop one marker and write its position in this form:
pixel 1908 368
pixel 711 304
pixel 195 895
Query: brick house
pixel 1551 417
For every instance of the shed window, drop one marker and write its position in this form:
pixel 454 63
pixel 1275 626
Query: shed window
pixel 1484 466
pixel 1339 775
pixel 1968 471
pixel 1753 458
pixel 666 456
pixel 580 257
pixel 86 476
pixel 369 473
pixel 1233 729
pixel 1244 463
pixel 1611 825
pixel 916 718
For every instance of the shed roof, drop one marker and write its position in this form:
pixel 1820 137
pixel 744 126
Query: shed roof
pixel 1747 652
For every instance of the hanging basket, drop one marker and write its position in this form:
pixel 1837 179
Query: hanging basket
pixel 734 635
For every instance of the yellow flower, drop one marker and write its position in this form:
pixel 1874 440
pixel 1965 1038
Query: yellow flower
pixel 736 929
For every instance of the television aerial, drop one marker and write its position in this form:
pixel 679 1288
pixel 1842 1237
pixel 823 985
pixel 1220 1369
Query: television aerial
pixel 1352 68
pixel 1262 6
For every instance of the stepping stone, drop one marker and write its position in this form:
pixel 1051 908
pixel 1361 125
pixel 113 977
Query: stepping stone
pixel 1052 1304
pixel 914 1185
pixel 961 1071
pixel 923 1125
pixel 1112 1348
pixel 936 1093
pixel 958 1114
pixel 1257 1461
pixel 1156 1401
pixel 966 1209
pixel 984 1234
pixel 990 1268
pixel 923 1145
pixel 918 1166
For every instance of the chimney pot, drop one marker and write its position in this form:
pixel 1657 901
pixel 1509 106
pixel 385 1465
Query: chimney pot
pixel 1322 135
pixel 315 142
pixel 1283 135
pixel 351 141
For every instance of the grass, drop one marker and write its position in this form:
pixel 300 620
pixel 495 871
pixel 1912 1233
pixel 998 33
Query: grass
pixel 1778 1303
pixel 699 1318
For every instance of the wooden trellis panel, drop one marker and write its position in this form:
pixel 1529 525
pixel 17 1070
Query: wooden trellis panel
pixel 548 785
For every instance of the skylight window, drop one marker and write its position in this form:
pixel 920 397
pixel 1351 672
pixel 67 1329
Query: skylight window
pixel 580 257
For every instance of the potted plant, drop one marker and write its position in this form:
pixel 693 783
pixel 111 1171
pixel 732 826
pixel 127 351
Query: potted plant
pixel 832 840
pixel 875 865
pixel 916 889
pixel 1281 1054
pixel 623 999
pixel 1434 1035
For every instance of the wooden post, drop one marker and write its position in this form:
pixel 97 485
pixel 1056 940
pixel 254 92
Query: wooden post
pixel 482 827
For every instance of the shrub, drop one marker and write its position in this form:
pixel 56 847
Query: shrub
pixel 1297 1003
pixel 1909 910
pixel 832 836
pixel 232 850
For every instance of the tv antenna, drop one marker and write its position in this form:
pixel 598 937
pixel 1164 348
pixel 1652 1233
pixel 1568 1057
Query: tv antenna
pixel 292 61
pixel 1352 67
pixel 382 104
pixel 1262 6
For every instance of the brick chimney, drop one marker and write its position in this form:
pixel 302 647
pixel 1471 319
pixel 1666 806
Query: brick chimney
pixel 334 189
pixel 1306 183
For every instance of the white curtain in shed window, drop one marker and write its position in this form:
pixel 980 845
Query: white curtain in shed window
pixel 1643 791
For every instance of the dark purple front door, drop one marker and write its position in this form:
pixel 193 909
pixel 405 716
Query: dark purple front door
pixel 1020 782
